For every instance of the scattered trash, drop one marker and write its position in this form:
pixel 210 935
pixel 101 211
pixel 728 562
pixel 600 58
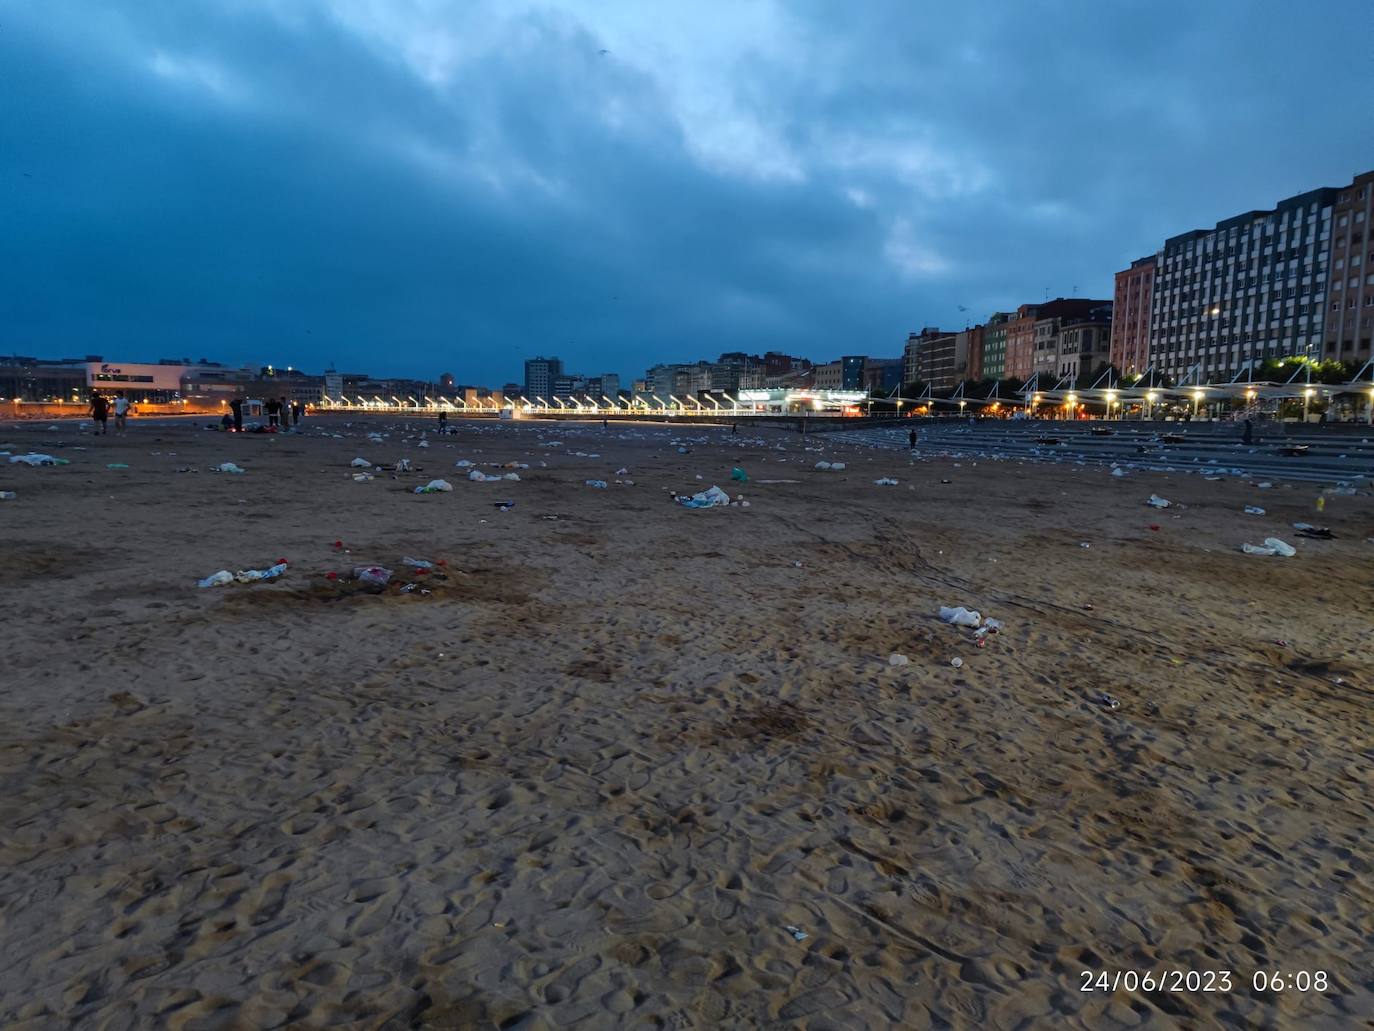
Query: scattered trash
pixel 886 481
pixel 1321 504
pixel 622 471
pixel 462 463
pixel 711 498
pixel 822 465
pixel 684 451
pixel 1155 527
pixel 797 933
pixel 228 467
pixel 1253 510
pixel 417 563
pixel 1271 546
pixel 185 469
pixel 598 484
pixel 243 576
pixel 511 476
pixel 505 506
pixel 477 476
pixel 956 662
pixel 362 477
pixel 402 466
pixel 1264 486
pixel 1157 502
pixel 739 475
pixel 1317 533
pixel 960 616
pixel 37 459
pixel 1084 544
pixel 945 481
pixel 1104 698
pixel 1118 471
pixel 361 463
pixel 379 575
pixel 116 465
pixel 898 659
pixel 990 626
pixel 796 565
pixel 434 487
pixel 8 495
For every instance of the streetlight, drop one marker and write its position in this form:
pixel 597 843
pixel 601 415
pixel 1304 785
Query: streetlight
pixel 1197 402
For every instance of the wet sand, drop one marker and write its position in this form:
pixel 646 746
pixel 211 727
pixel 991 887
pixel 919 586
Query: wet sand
pixel 593 777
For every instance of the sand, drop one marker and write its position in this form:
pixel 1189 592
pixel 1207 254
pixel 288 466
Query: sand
pixel 595 774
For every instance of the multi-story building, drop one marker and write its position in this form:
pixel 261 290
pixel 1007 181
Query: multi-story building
pixel 975 353
pixel 34 379
pixel 1350 306
pixel 1084 344
pixel 1254 287
pixel 1131 312
pixel 540 374
pixel 937 358
pixel 1034 327
pixel 882 375
pixel 993 361
pixel 779 367
pixel 828 375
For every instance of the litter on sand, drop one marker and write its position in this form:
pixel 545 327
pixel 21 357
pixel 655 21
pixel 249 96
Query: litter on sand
pixel 886 481
pixel 1105 699
pixel 1271 546
pixel 1157 502
pixel 37 459
pixel 739 475
pixel 435 487
pixel 956 662
pixel 360 463
pixel 8 495
pixel 598 484
pixel 711 498
pixel 243 576
pixel 898 659
pixel 797 933
pixel 1253 510
pixel 1317 533
pixel 960 616
pixel 228 467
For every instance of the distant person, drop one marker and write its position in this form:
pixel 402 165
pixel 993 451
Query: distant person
pixel 734 427
pixel 121 413
pixel 1248 434
pixel 605 424
pixel 443 421
pixel 273 413
pixel 100 412
pixel 297 412
pixel 227 422
pixel 285 412
pixel 911 439
pixel 236 406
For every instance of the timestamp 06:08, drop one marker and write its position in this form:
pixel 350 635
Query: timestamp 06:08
pixel 1201 980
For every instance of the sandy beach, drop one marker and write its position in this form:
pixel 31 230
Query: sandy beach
pixel 631 764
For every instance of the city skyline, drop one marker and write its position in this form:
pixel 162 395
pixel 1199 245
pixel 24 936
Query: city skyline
pixel 426 188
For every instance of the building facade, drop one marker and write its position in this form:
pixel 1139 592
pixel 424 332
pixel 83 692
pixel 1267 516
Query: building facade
pixel 1350 291
pixel 540 374
pixel 1253 287
pixel 993 358
pixel 1032 330
pixel 1132 309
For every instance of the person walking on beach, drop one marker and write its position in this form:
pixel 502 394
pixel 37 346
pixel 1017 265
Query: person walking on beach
pixel 236 406
pixel 297 412
pixel 273 413
pixel 1248 436
pixel 285 406
pixel 100 412
pixel 911 439
pixel 121 413
pixel 443 421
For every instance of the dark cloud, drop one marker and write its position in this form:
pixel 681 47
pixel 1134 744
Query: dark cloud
pixel 423 185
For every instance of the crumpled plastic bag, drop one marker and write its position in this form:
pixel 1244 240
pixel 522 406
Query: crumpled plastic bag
pixel 37 459
pixel 1157 502
pixel 711 498
pixel 434 487
pixel 960 616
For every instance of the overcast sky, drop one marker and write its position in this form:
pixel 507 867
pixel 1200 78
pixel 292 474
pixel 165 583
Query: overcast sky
pixel 417 186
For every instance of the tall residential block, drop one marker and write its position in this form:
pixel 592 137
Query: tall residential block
pixel 993 363
pixel 1131 312
pixel 1034 328
pixel 1350 305
pixel 1253 287
pixel 540 374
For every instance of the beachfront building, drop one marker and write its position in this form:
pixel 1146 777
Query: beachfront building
pixel 539 376
pixel 1083 345
pixel 35 379
pixel 930 357
pixel 1253 287
pixel 1131 312
pixel 1034 325
pixel 992 361
pixel 1350 291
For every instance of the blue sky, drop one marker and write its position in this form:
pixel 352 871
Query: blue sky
pixel 416 186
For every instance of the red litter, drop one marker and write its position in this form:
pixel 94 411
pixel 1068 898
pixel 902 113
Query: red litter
pixel 1154 526
pixel 331 576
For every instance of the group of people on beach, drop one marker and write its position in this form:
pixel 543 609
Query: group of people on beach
pixel 281 414
pixel 101 409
